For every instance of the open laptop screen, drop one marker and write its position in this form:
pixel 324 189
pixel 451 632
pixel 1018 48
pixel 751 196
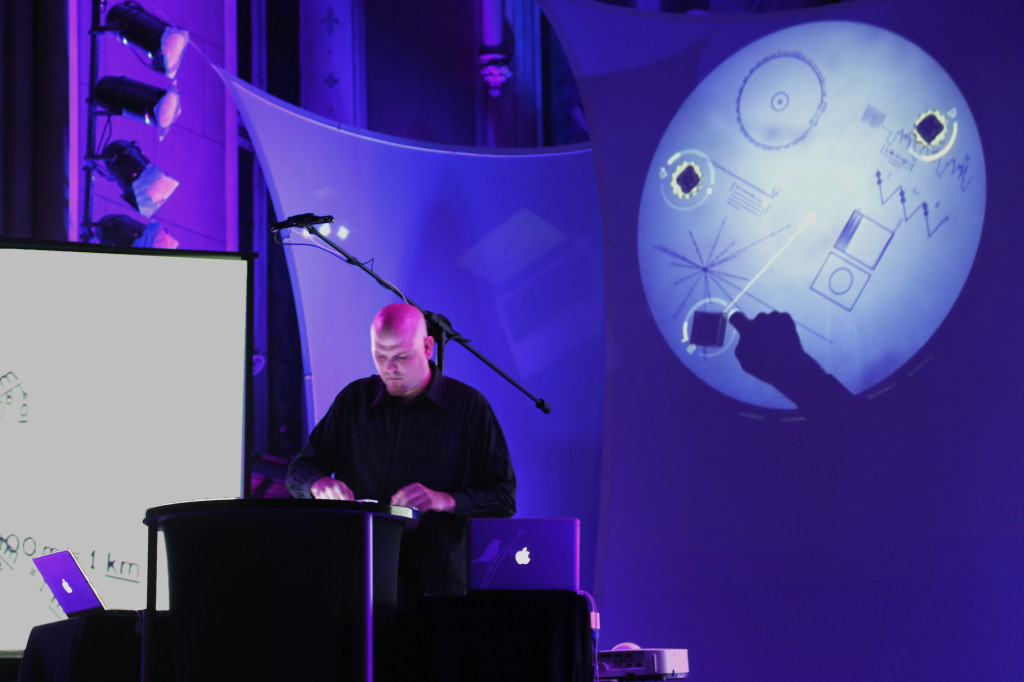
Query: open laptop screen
pixel 70 586
pixel 524 554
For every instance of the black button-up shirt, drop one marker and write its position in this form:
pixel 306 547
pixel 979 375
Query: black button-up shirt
pixel 446 438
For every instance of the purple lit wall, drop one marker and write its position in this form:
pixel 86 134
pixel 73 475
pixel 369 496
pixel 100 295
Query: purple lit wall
pixel 886 545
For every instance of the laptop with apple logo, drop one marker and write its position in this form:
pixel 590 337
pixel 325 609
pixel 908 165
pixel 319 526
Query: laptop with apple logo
pixel 524 554
pixel 67 581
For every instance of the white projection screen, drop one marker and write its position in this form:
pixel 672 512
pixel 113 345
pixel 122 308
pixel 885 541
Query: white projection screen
pixel 122 387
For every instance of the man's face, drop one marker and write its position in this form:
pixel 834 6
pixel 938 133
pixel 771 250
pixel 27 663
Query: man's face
pixel 401 359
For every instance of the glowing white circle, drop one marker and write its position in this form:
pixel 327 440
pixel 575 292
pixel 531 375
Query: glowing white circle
pixel 848 123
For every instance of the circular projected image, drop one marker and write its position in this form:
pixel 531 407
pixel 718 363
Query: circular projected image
pixel 832 171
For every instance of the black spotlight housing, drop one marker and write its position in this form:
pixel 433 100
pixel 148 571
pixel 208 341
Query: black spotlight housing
pixel 163 44
pixel 118 230
pixel 148 103
pixel 145 186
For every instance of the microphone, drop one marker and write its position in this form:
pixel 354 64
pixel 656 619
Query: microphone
pixel 305 220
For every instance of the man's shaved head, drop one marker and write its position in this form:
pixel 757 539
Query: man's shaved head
pixel 399 318
pixel 402 349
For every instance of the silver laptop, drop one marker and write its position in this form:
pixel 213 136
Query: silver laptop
pixel 524 554
pixel 70 586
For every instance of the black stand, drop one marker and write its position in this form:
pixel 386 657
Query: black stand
pixel 438 325
pixel 257 593
pixel 86 227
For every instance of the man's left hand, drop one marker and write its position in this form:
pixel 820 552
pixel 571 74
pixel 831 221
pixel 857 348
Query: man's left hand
pixel 423 498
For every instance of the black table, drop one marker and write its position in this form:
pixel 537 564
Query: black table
pixel 98 646
pixel 493 636
pixel 509 636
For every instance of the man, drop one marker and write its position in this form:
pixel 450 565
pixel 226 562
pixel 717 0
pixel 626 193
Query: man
pixel 412 437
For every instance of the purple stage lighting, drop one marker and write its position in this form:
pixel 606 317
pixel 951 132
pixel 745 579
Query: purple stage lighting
pixel 118 230
pixel 148 103
pixel 163 44
pixel 145 186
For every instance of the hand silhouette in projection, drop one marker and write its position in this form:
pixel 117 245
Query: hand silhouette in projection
pixel 770 350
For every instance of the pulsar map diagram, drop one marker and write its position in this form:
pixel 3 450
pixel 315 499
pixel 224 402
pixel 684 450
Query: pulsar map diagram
pixel 830 170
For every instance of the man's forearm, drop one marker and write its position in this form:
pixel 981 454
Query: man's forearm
pixel 301 474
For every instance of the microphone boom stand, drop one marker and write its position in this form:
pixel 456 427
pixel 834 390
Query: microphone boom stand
pixel 438 324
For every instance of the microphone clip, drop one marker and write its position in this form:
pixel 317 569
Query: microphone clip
pixel 303 220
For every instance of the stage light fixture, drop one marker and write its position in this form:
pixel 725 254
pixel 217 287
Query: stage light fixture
pixel 118 230
pixel 145 186
pixel 124 231
pixel 163 44
pixel 148 103
pixel 156 237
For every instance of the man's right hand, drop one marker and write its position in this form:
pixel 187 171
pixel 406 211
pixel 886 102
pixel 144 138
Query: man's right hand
pixel 328 488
